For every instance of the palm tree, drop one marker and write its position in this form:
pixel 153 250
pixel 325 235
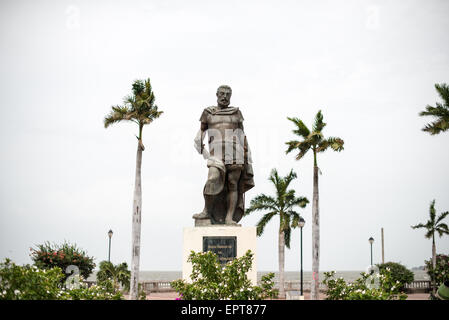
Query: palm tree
pixel 441 111
pixel 433 225
pixel 139 108
pixel 283 205
pixel 315 141
pixel 118 274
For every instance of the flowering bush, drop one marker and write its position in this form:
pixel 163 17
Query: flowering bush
pixel 29 282
pixel 441 273
pixel 95 292
pixel 32 283
pixel 377 286
pixel 48 256
pixel 212 281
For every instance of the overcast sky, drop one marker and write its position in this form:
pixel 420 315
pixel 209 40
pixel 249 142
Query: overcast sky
pixel 370 66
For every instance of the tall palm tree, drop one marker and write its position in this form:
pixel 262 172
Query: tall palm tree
pixel 139 108
pixel 283 205
pixel 432 226
pixel 315 141
pixel 441 111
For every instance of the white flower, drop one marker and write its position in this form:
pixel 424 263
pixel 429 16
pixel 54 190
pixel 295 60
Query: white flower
pixel 16 291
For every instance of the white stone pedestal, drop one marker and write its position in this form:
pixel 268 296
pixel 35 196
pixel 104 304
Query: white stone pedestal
pixel 245 240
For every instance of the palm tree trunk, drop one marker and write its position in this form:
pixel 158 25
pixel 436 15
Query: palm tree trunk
pixel 434 263
pixel 281 264
pixel 314 290
pixel 136 225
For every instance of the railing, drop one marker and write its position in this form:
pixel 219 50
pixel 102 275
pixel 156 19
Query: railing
pixel 157 286
pixel 148 286
pixel 419 286
pixel 164 286
pixel 295 285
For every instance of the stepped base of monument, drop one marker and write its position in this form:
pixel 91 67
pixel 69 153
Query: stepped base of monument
pixel 228 242
pixel 208 222
pixel 203 222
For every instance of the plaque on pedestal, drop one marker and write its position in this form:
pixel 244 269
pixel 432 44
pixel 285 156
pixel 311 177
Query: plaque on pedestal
pixel 225 241
pixel 224 247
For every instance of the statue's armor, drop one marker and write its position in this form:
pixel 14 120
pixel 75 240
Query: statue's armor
pixel 225 134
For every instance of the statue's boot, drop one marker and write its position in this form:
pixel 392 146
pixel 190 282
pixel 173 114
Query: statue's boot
pixel 201 215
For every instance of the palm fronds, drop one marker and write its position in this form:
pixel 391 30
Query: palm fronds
pixel 282 204
pixel 139 107
pixel 440 112
pixel 434 224
pixel 312 140
pixel 260 227
pixel 117 114
pixel 318 124
pixel 301 128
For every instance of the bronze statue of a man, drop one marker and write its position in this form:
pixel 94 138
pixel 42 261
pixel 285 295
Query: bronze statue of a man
pixel 229 162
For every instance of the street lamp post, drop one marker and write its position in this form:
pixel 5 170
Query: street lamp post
pixel 371 240
pixel 110 236
pixel 301 225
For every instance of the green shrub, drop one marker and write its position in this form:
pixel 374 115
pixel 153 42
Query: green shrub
pixel 441 273
pixel 29 282
pixel 398 273
pixel 32 283
pixel 212 281
pixel 378 286
pixel 48 256
pixel 116 274
pixel 141 294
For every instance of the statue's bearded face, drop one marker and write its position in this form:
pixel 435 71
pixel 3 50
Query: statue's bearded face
pixel 224 97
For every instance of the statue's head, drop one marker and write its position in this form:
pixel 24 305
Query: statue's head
pixel 224 96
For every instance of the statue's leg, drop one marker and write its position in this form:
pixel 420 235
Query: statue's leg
pixel 213 175
pixel 233 196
